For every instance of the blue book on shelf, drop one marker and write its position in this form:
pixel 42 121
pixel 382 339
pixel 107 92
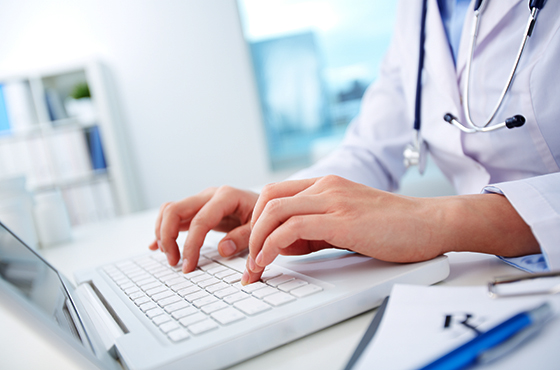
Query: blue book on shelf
pixel 4 120
pixel 95 147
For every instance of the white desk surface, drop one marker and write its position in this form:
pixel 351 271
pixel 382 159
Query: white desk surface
pixel 23 348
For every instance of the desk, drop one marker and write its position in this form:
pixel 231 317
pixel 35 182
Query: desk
pixel 106 242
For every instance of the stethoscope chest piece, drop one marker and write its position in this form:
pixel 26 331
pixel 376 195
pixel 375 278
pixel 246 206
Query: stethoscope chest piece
pixel 415 154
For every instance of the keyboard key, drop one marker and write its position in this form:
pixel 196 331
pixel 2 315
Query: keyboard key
pixel 203 261
pixel 142 277
pixel 210 266
pixel 127 284
pixel 196 295
pixel 230 279
pixel 147 306
pixel 149 280
pixel 279 298
pixel 251 306
pixel 169 326
pixel 175 306
pixel 264 292
pixel 204 301
pixel 182 285
pixel 236 297
pixel 217 269
pixel 210 252
pixel 203 326
pixel 132 289
pixel 201 277
pixel 169 300
pixel 160 319
pixel 154 312
pixel 209 308
pixel 252 287
pixel 156 289
pixel 306 290
pixel 224 273
pixel 236 263
pixel 183 312
pixel 178 335
pixel 151 285
pixel 191 319
pixel 280 280
pixel 203 284
pixel 291 285
pixel 215 287
pixel 226 291
pixel 165 274
pixel 173 280
pixel 189 290
pixel 142 300
pixel 164 294
pixel 136 295
pixel 194 273
pixel 270 274
pixel 227 316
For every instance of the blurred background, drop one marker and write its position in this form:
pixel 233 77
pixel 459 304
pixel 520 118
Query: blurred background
pixel 112 107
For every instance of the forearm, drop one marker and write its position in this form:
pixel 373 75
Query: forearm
pixel 485 223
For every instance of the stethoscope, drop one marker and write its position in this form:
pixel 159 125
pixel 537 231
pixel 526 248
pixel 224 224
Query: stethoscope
pixel 412 152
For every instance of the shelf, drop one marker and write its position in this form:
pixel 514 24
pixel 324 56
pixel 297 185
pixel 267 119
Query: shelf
pixel 74 145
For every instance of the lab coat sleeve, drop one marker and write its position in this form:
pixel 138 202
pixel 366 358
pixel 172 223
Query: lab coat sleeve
pixel 537 200
pixel 371 152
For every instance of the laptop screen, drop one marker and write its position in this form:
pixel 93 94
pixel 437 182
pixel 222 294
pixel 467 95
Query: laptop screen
pixel 37 281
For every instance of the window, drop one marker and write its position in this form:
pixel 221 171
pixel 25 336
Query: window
pixel 313 60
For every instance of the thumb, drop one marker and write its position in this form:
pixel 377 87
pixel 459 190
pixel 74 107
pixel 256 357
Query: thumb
pixel 235 241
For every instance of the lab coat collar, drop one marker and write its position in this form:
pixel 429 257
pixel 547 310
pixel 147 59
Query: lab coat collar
pixel 493 13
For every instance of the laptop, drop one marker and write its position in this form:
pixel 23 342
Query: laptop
pixel 142 313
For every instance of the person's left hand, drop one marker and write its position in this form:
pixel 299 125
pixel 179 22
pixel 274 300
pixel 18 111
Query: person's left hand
pixel 300 217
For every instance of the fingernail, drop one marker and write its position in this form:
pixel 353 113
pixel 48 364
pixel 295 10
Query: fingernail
pixel 259 259
pixel 245 278
pixel 184 268
pixel 228 248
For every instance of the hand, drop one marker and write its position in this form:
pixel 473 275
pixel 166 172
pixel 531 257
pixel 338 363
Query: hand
pixel 222 209
pixel 298 217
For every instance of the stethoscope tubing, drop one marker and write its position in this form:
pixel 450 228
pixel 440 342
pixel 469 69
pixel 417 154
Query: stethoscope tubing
pixel 485 127
pixel 412 151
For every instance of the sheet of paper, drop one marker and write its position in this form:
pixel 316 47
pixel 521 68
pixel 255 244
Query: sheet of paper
pixel 422 323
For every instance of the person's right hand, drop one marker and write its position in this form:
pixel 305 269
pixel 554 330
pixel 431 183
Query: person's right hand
pixel 223 209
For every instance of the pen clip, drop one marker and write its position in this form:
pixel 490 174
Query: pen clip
pixel 552 286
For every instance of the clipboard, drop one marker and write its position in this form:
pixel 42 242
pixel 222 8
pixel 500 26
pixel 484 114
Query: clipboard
pixel 370 332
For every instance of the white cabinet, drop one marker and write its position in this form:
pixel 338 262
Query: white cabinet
pixel 76 145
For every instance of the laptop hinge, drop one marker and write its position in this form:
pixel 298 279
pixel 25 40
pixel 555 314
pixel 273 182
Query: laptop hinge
pixel 103 321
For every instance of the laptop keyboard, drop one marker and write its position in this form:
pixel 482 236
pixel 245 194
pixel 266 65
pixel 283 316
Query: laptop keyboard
pixel 182 305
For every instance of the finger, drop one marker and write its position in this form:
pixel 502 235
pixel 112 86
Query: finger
pixel 279 190
pixel 252 272
pixel 154 246
pixel 225 201
pixel 277 211
pixel 298 235
pixel 175 217
pixel 158 220
pixel 299 247
pixel 306 227
pixel 235 241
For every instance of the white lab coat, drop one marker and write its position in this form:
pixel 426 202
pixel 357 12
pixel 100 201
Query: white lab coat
pixel 522 163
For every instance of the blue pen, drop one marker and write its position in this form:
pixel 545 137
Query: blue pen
pixel 496 341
